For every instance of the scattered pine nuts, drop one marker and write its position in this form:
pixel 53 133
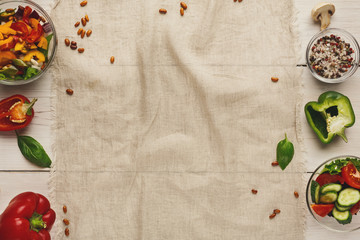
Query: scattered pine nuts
pixel 87 18
pixel 73 47
pixel 77 24
pixel 81 50
pixel 83 3
pixel 276 211
pixel 296 194
pixel 112 59
pixel 240 0
pixel 67 42
pixel 83 21
pixel 275 163
pixel 88 33
pixel 254 191
pixel 272 215
pixel 64 209
pixel 66 221
pixel 80 31
pixel 83 34
pixel 67 232
pixel 274 79
pixel 181 11
pixel 162 11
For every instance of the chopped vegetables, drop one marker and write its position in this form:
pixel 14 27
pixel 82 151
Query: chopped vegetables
pixel 337 194
pixel 24 44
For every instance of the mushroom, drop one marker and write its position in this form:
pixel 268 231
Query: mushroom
pixel 323 12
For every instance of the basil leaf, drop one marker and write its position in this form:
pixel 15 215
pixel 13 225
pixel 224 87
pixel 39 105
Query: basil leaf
pixel 335 166
pixel 33 151
pixel 2 76
pixel 284 152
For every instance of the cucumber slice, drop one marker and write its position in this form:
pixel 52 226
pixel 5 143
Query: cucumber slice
pixel 342 217
pixel 315 191
pixel 341 208
pixel 329 197
pixel 348 197
pixel 330 187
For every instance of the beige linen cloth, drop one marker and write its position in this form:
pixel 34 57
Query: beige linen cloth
pixel 167 142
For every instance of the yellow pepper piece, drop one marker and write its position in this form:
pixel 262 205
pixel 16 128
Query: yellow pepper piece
pixel 19 46
pixel 43 43
pixel 8 40
pixel 1 36
pixel 39 56
pixel 5 29
pixel 33 22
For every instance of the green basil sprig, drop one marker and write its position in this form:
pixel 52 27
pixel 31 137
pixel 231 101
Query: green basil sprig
pixel 284 152
pixel 33 151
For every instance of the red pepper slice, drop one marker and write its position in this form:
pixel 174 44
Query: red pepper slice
pixel 26 14
pixel 35 34
pixel 20 27
pixel 24 218
pixel 322 209
pixel 13 112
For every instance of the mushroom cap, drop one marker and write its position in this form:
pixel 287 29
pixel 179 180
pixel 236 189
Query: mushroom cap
pixel 322 8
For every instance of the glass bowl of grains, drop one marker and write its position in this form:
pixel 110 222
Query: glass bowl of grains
pixel 332 55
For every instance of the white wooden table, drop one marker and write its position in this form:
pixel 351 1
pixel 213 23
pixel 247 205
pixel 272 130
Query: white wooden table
pixel 18 175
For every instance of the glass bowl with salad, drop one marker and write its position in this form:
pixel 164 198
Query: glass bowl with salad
pixel 333 194
pixel 332 55
pixel 28 42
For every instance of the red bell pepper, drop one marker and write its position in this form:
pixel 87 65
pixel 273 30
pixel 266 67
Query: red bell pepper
pixel 28 217
pixel 20 27
pixel 16 112
pixel 26 14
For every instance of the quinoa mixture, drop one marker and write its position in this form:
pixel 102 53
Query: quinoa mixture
pixel 331 57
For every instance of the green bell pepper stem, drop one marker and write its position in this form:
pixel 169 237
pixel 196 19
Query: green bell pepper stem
pixel 330 115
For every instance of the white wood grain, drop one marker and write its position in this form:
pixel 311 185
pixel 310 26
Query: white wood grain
pixel 346 17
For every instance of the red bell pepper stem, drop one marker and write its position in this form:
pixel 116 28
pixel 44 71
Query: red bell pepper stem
pixel 36 222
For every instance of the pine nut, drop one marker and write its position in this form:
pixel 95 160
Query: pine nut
pixel 183 5
pixel 276 211
pixel 296 194
pixel 275 163
pixel 77 24
pixel 80 31
pixel 83 3
pixel 272 215
pixel 87 18
pixel 88 33
pixel 274 79
pixel 181 11
pixel 66 221
pixel 162 11
pixel 69 92
pixel 81 50
pixel 64 209
pixel 112 59
pixel 67 232
pixel 83 21
pixel 83 34
pixel 254 191
pixel 67 42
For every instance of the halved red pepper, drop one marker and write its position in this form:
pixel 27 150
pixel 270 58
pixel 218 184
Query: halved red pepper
pixel 16 112
pixel 28 216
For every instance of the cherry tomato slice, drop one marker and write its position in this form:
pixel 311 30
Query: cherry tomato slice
pixel 20 27
pixel 35 34
pixel 351 175
pixel 326 178
pixel 322 209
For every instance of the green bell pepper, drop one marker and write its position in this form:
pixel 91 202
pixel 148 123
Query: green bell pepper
pixel 330 115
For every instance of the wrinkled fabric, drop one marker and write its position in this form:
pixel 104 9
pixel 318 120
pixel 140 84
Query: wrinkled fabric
pixel 168 141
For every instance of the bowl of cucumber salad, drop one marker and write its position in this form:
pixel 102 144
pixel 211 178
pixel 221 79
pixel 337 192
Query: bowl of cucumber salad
pixel 333 193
